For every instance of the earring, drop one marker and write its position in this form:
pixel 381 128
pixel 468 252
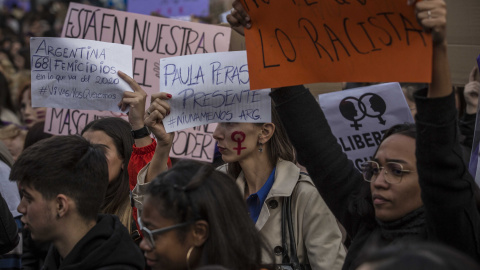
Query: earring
pixel 260 148
pixel 188 256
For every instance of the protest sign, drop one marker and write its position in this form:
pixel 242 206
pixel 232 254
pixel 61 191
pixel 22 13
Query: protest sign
pixel 211 88
pixel 170 8
pixel 194 143
pixel 72 121
pixel 359 117
pixel 78 74
pixel 474 166
pixel 151 38
pixel 307 41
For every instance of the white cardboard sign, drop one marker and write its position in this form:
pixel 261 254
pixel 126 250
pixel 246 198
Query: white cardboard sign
pixel 78 74
pixel 211 88
pixel 359 117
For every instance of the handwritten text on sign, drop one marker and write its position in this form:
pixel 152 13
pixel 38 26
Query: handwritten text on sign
pixel 359 117
pixel 78 74
pixel 71 121
pixel 151 38
pixel 306 41
pixel 170 7
pixel 194 143
pixel 211 88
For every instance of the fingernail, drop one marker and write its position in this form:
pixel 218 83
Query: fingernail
pixel 247 18
pixel 169 96
pixel 248 25
pixel 168 113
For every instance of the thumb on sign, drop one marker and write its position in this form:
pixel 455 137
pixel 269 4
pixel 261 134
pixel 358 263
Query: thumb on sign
pixel 472 88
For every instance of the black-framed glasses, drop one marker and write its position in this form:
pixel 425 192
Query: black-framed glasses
pixel 148 235
pixel 393 171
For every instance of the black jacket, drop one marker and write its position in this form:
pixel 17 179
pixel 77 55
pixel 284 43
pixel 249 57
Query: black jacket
pixel 8 228
pixel 447 194
pixel 106 246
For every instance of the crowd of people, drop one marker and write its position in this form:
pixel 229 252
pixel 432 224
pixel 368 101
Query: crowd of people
pixel 111 199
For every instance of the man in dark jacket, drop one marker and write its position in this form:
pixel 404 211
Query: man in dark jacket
pixel 63 181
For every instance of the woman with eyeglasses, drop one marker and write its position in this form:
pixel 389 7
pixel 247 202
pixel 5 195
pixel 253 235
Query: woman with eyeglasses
pixel 417 187
pixel 193 216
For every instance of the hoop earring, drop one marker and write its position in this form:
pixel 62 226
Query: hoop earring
pixel 188 256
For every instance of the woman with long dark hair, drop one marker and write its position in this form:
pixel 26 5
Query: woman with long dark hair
pixel 194 216
pixel 115 134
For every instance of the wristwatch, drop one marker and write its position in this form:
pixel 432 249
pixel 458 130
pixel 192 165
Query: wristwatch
pixel 140 133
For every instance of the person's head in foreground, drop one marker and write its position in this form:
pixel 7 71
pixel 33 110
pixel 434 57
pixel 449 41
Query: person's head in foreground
pixel 393 175
pixel 194 216
pixel 63 181
pixel 417 256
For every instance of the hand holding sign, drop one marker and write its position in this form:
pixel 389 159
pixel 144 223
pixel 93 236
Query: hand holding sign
pixel 432 15
pixel 239 18
pixel 157 111
pixel 472 88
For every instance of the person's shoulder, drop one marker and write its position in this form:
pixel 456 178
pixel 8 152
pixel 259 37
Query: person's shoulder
pixel 305 190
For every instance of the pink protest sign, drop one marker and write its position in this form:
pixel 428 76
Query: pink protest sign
pixel 151 38
pixel 194 143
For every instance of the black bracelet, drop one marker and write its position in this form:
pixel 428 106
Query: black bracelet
pixel 140 133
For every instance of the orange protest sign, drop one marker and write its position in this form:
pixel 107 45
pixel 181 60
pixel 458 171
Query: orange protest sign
pixel 306 41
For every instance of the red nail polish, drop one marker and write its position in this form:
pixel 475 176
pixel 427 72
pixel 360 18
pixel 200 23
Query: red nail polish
pixel 168 113
pixel 169 96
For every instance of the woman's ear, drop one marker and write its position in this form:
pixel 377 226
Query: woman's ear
pixel 201 231
pixel 266 133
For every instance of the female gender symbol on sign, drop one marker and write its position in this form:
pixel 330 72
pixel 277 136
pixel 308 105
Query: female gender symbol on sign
pixel 239 139
pixel 349 110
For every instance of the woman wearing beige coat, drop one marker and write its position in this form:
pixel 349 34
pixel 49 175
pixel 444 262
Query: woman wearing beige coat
pixel 260 158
